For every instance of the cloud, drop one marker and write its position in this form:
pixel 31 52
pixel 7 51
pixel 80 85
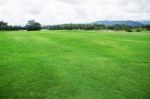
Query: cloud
pixel 18 12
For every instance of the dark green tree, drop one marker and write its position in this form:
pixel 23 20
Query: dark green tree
pixel 147 27
pixel 33 26
pixel 2 24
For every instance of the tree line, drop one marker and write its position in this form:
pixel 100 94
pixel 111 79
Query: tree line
pixel 30 26
pixel 34 26
pixel 116 27
pixel 5 26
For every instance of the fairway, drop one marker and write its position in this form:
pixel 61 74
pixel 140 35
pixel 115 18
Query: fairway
pixel 74 65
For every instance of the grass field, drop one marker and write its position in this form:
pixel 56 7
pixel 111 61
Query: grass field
pixel 74 65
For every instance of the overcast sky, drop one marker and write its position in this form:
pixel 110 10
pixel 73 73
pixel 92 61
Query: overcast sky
pixel 18 12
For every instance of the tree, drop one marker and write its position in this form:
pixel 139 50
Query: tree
pixel 33 26
pixel 2 24
pixel 147 27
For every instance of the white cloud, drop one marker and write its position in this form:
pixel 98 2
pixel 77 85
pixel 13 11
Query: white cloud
pixel 72 11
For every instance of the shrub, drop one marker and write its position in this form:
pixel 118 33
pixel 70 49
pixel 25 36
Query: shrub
pixel 138 30
pixel 129 30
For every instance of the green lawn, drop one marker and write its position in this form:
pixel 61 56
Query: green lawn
pixel 74 65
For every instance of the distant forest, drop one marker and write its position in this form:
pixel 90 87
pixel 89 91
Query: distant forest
pixel 34 26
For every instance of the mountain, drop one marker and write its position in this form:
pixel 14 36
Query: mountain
pixel 111 23
pixel 145 22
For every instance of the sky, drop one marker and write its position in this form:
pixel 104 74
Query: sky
pixel 18 12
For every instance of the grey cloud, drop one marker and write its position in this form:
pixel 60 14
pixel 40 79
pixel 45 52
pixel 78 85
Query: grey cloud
pixel 67 11
pixel 72 1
